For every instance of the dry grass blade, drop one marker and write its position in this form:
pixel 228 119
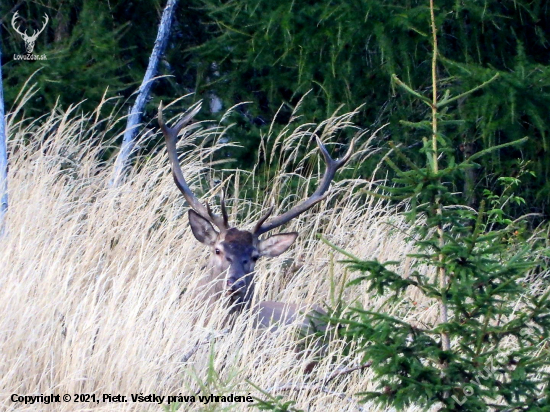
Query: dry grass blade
pixel 95 281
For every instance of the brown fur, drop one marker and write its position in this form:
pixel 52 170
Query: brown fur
pixel 239 237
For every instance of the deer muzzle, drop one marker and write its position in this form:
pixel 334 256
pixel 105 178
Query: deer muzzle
pixel 239 290
pixel 235 287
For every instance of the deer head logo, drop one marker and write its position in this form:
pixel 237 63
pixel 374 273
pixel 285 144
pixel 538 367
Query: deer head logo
pixel 29 40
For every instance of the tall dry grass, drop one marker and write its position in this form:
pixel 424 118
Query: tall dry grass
pixel 95 281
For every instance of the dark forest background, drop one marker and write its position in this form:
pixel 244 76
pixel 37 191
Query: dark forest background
pixel 272 53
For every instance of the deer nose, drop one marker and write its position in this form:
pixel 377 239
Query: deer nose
pixel 231 284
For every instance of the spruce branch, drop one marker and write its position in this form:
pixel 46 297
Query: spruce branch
pixel 494 148
pixel 445 101
pixel 407 88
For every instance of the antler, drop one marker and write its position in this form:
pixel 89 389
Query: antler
pixel 16 28
pixel 34 33
pixel 170 135
pixel 316 197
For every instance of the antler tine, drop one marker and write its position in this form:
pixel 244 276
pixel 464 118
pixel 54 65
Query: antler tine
pixel 225 217
pixel 317 196
pixel 224 209
pixel 43 27
pixel 15 25
pixel 261 221
pixel 170 136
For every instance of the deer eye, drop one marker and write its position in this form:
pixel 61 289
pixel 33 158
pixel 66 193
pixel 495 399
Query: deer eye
pixel 218 251
pixel 255 258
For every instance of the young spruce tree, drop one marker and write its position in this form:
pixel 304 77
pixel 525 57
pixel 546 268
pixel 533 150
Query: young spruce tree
pixel 489 348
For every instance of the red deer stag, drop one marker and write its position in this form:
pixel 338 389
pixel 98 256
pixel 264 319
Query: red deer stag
pixel 234 252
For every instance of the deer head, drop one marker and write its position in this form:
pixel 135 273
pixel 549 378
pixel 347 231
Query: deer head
pixel 29 40
pixel 234 252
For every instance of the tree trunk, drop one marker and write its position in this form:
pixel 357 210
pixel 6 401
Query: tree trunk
pixel 3 156
pixel 143 94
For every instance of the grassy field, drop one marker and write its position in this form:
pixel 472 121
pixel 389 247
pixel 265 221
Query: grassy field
pixel 96 283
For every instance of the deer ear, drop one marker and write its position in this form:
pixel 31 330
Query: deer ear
pixel 202 229
pixel 276 244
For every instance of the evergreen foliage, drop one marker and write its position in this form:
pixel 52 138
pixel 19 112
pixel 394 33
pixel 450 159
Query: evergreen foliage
pixel 346 52
pixel 489 348
pixel 84 56
pixel 273 53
